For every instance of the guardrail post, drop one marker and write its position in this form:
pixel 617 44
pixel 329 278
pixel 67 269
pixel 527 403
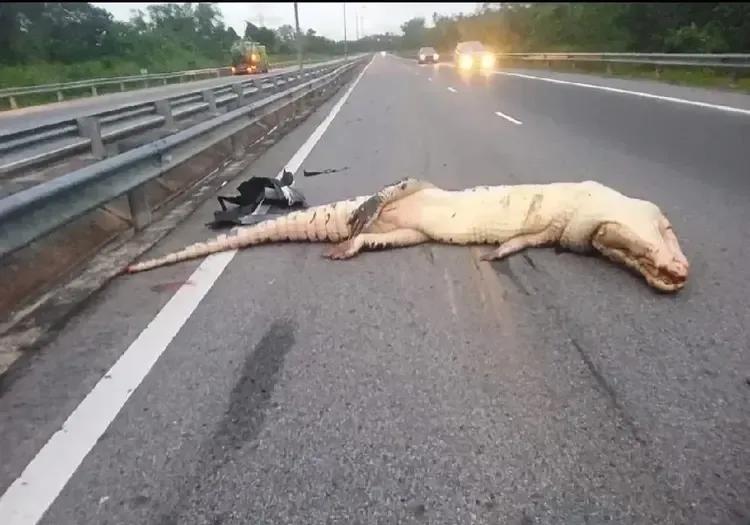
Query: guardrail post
pixel 733 78
pixel 210 98
pixel 60 96
pixel 90 127
pixel 238 145
pixel 93 91
pixel 240 92
pixel 13 103
pixel 164 108
pixel 238 149
pixel 122 86
pixel 658 71
pixel 140 210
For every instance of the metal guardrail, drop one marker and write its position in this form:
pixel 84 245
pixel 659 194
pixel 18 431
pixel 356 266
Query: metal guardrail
pixel 68 136
pixel 736 61
pixel 13 93
pixel 727 60
pixel 733 62
pixel 29 214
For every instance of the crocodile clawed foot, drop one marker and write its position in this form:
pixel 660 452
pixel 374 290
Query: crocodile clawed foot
pixel 492 255
pixel 340 251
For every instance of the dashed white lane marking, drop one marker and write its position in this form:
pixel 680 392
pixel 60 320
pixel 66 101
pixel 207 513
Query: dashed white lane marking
pixel 642 94
pixel 508 117
pixel 451 90
pixel 32 493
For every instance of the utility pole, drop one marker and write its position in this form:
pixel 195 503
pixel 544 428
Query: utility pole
pixel 299 40
pixel 346 44
pixel 362 22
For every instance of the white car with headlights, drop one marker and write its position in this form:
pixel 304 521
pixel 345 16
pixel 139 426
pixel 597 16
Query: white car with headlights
pixel 427 54
pixel 473 55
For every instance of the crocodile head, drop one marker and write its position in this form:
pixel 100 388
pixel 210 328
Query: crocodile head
pixel 646 243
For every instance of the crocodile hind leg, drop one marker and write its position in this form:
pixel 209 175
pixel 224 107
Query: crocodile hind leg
pixel 363 217
pixel 516 244
pixel 394 239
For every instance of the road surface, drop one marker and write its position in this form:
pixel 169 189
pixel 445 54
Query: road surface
pixel 418 385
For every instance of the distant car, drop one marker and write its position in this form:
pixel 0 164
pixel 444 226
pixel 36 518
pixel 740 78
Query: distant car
pixel 473 55
pixel 427 54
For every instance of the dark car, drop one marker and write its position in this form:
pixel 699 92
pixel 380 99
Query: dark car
pixel 473 55
pixel 427 54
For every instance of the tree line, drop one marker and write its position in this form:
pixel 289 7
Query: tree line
pixel 607 27
pixel 188 34
pixel 59 41
pixel 70 40
pixel 73 32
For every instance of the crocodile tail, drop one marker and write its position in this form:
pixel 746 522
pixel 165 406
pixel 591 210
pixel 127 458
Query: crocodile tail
pixel 314 224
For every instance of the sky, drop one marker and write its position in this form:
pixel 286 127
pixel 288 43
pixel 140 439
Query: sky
pixel 326 18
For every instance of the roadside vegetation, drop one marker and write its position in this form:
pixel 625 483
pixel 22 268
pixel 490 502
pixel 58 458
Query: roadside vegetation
pixel 42 43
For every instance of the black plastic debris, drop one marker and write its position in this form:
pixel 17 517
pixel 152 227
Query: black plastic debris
pixel 329 170
pixel 278 194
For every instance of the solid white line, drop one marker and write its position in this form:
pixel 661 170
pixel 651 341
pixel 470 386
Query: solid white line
pixel 719 107
pixel 451 89
pixel 28 498
pixel 508 117
pixel 31 494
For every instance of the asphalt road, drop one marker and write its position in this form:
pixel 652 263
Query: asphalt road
pixel 418 385
pixel 34 116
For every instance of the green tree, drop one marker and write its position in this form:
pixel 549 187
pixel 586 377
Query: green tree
pixel 639 26
pixel 262 35
pixel 414 33
pixel 285 39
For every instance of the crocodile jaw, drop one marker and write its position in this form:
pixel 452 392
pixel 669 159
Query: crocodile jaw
pixel 652 252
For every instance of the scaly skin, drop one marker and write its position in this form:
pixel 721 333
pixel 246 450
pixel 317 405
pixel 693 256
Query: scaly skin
pixel 581 217
pixel 315 224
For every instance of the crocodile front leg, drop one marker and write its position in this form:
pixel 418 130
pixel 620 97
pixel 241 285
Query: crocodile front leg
pixel 516 244
pixel 393 239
